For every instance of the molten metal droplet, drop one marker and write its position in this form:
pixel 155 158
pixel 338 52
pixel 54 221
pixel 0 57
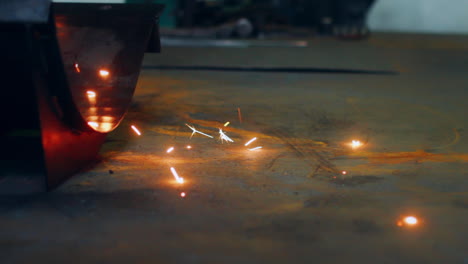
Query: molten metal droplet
pixel 169 150
pixel 411 220
pixel 103 73
pixel 182 194
pixel 344 172
pixel 408 221
pixel 356 144
pixel 189 147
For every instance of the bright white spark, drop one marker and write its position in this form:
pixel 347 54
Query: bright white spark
pixel 356 144
pixel 411 220
pixel 136 130
pixel 169 150
pixel 223 137
pixel 250 141
pixel 176 176
pixel 103 73
pixel 196 131
pixel 227 123
pixel 252 149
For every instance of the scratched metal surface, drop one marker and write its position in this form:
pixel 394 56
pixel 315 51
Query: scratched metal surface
pixel 288 201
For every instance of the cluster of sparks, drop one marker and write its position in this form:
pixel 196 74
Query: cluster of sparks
pixel 223 137
pixel 407 221
pixel 92 95
pixel 250 142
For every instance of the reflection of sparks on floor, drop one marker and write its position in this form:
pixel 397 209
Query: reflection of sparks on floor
pixel 223 137
pixel 196 131
pixel 91 94
pixel 93 124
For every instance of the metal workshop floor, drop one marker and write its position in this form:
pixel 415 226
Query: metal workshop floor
pixel 288 202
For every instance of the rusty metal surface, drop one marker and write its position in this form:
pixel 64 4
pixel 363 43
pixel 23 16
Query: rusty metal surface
pixel 289 202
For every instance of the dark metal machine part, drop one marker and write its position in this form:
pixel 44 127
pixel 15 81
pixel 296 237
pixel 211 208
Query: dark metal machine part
pixel 102 48
pixel 54 128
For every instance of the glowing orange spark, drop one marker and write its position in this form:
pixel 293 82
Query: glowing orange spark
pixel 182 194
pixel 176 176
pixel 256 148
pixel 77 68
pixel 91 94
pixel 356 144
pixel 189 147
pixel 344 172
pixel 250 141
pixel 169 150
pixel 136 130
pixel 408 221
pixel 227 123
pixel 239 114
pixel 93 124
pixel 104 73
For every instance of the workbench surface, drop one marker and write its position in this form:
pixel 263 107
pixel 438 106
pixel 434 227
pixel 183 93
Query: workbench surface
pixel 306 196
